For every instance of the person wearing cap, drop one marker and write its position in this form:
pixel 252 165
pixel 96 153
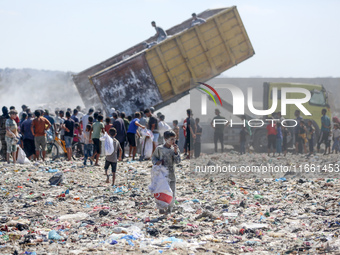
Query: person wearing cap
pixel 161 34
pixel 11 135
pixel 219 130
pixel 85 119
pixel 196 21
pixel 24 109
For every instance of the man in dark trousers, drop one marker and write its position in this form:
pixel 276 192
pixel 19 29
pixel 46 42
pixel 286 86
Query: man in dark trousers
pixel 219 129
pixel 119 125
pixel 3 119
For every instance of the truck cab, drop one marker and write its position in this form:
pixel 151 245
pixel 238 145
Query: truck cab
pixel 318 101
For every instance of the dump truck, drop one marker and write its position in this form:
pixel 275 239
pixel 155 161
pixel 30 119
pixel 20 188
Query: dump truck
pixel 319 100
pixel 141 77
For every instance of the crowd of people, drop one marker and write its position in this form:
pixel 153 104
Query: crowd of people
pixel 304 135
pixel 31 131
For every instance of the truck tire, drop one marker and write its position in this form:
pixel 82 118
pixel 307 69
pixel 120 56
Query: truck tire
pixel 260 141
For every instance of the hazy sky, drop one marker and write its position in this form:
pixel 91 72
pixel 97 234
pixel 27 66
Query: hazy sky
pixel 290 38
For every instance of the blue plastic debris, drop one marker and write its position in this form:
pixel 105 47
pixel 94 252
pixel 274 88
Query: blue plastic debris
pixel 53 235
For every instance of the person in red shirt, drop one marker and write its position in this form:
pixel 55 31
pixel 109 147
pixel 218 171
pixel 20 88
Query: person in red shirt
pixel 271 135
pixel 108 124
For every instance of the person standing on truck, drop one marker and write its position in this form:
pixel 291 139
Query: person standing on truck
pixel 325 128
pixel 219 129
pixel 296 131
pixel 271 135
pixel 161 34
pixel 196 21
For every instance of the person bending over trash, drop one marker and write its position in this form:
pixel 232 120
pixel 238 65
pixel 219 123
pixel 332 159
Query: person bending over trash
pixel 168 155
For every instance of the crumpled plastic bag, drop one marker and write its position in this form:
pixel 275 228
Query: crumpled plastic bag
pixel 108 144
pixel 56 179
pixel 160 187
pixel 22 159
pixel 146 133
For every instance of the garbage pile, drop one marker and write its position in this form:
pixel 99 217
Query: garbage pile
pixel 61 207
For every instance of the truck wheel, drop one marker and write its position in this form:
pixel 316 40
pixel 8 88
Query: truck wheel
pixel 260 139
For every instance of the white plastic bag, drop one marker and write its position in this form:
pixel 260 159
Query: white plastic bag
pixel 108 144
pixel 146 133
pixel 22 159
pixel 160 187
pixel 162 127
pixel 147 147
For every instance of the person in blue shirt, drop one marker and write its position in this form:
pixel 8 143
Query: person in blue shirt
pixel 325 128
pixel 131 134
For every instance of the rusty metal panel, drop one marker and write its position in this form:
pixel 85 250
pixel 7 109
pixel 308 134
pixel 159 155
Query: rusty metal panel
pixel 86 90
pixel 128 85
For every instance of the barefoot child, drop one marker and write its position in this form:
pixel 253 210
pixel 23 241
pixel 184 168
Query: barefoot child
pixel 168 155
pixel 111 160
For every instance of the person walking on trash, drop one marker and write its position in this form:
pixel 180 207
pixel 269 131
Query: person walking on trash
pixel 168 155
